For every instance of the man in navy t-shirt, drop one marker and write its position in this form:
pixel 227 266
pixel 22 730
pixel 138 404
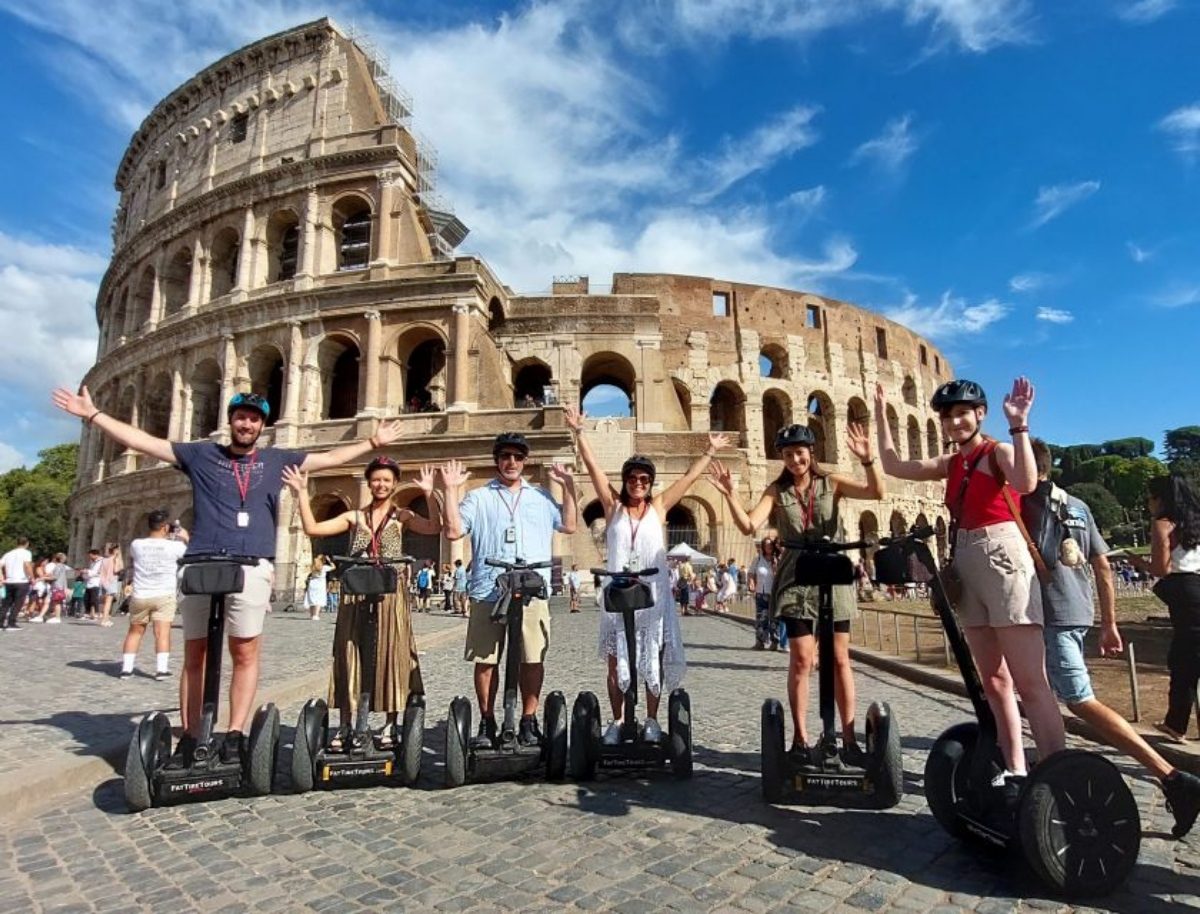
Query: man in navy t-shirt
pixel 235 499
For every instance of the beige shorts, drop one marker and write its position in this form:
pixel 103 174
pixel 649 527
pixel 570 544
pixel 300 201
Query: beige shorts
pixel 245 612
pixel 1000 585
pixel 151 609
pixel 485 638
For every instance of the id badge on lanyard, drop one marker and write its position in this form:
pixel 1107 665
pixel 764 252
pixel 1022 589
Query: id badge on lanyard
pixel 242 517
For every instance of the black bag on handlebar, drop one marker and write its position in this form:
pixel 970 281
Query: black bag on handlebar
pixel 891 566
pixel 213 578
pixel 625 595
pixel 528 583
pixel 369 580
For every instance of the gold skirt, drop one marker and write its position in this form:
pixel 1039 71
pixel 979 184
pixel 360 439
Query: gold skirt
pixel 397 668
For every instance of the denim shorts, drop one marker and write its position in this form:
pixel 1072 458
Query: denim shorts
pixel 1065 669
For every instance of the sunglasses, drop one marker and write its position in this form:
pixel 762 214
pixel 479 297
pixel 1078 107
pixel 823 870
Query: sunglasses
pixel 511 455
pixel 640 479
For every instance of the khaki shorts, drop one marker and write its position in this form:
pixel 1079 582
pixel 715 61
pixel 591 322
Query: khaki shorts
pixel 245 612
pixel 485 638
pixel 151 609
pixel 1000 585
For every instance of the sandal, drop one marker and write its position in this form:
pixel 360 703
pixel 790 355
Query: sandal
pixel 339 740
pixel 1172 735
pixel 387 738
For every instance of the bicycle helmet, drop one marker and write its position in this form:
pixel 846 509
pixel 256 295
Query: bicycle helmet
pixel 958 391
pixel 638 462
pixel 794 436
pixel 249 401
pixel 513 440
pixel 382 463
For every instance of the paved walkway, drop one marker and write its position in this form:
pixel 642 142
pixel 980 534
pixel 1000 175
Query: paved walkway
pixel 622 843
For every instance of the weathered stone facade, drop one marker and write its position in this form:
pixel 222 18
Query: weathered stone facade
pixel 277 231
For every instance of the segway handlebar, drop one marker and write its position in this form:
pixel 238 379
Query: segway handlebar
pixel 605 573
pixel 207 557
pixel 518 565
pixel 369 560
pixel 826 546
pixel 923 532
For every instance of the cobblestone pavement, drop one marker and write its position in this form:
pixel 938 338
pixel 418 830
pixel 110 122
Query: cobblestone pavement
pixel 622 843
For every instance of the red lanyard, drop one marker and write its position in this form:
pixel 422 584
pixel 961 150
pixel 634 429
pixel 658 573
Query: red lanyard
pixel 808 508
pixel 243 485
pixel 377 533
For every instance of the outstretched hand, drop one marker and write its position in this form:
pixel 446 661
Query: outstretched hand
pixel 719 441
pixel 880 401
pixel 858 441
pixel 388 432
pixel 295 479
pixel 573 417
pixel 720 476
pixel 1019 401
pixel 425 478
pixel 77 404
pixel 454 474
pixel 562 475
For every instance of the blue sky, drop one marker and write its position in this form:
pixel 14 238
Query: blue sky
pixel 1016 179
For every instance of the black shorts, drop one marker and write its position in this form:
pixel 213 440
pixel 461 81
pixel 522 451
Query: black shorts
pixel 423 593
pixel 91 598
pixel 798 628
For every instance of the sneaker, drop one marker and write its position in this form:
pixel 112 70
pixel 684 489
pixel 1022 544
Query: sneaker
pixel 801 754
pixel 612 734
pixel 1183 799
pixel 233 747
pixel 529 733
pixel 486 737
pixel 125 674
pixel 13 628
pixel 854 754
pixel 1172 735
pixel 37 619
pixel 185 749
pixel 162 676
pixel 651 731
pixel 55 621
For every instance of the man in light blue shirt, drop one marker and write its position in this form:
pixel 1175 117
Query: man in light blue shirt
pixel 507 519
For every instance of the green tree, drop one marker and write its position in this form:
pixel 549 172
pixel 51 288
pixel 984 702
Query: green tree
pixel 59 463
pixel 1101 470
pixel 1105 507
pixel 33 503
pixel 1129 482
pixel 1182 448
pixel 1129 447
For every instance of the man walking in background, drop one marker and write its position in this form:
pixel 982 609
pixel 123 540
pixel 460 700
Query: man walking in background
pixel 17 567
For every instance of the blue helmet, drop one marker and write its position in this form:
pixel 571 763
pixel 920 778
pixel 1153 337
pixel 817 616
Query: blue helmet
pixel 958 391
pixel 249 401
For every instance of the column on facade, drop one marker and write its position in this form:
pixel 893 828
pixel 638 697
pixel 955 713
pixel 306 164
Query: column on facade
pixel 462 353
pixel 246 252
pixel 228 370
pixel 307 254
pixel 197 282
pixel 129 458
pixel 156 294
pixel 384 241
pixel 175 431
pixel 289 419
pixel 371 404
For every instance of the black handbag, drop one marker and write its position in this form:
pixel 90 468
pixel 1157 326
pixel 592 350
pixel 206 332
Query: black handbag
pixel 633 595
pixel 369 580
pixel 213 578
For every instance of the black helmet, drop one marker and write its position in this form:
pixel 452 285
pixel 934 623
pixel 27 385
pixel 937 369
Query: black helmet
pixel 382 463
pixel 249 401
pixel 513 440
pixel 794 436
pixel 958 391
pixel 638 462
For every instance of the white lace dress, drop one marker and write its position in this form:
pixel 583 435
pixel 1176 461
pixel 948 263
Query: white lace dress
pixel 636 545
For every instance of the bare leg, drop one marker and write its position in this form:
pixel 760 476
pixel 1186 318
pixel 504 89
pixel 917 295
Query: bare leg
pixel 998 688
pixel 843 685
pixel 1025 654
pixel 1115 730
pixel 106 607
pixel 133 638
pixel 531 677
pixel 652 702
pixel 162 637
pixel 244 680
pixel 615 696
pixel 800 660
pixel 485 688
pixel 191 694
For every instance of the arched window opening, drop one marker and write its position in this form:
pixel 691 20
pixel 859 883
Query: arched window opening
pixel 425 377
pixel 914 438
pixel 909 390
pixel 327 507
pixel 420 546
pixel 893 421
pixel 123 412
pixel 339 364
pixel 119 317
pixel 224 262
pixel 942 536
pixel 727 408
pixel 530 384
pixel 495 315
pixel 266 378
pixel 777 414
pixel 856 411
pixel 932 446
pixel 684 396
pixel 283 246
pixel 897 524
pixel 608 386
pixel 682 528
pixel 206 399
pixel 176 281
pixel 773 361
pixel 821 422
pixel 156 406
pixel 868 529
pixel 352 223
pixel 143 298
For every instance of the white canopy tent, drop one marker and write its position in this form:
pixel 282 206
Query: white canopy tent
pixel 684 552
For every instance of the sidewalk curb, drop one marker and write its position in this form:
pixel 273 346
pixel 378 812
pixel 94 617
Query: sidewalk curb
pixel 35 787
pixel 1181 759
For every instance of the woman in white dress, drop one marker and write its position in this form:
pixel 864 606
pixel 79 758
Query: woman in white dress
pixel 636 537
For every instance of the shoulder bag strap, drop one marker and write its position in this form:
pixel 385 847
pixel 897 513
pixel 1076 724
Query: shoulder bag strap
pixel 1039 563
pixel 956 509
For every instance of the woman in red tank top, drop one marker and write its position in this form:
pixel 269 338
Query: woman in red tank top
pixel 1001 605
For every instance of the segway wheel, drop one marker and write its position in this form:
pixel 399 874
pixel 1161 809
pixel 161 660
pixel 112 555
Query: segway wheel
pixel 774 759
pixel 413 736
pixel 149 748
pixel 679 723
pixel 264 747
pixel 946 775
pixel 886 759
pixel 1079 824
pixel 585 735
pixel 310 734
pixel 556 736
pixel 458 732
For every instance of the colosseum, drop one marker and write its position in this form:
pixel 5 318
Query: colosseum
pixel 278 230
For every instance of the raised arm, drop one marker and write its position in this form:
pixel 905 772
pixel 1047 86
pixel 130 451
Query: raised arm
pixel 432 523
pixel 859 444
pixel 297 481
pixel 387 433
pixel 929 469
pixel 679 488
pixel 1016 460
pixel 454 477
pixel 720 477
pixel 570 505
pixel 129 436
pixel 604 490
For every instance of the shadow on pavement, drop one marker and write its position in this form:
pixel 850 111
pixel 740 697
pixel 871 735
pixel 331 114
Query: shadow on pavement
pixel 93 732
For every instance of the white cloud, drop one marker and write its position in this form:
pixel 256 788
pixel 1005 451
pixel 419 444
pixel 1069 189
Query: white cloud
pixel 10 458
pixel 1183 127
pixel 951 317
pixel 1143 11
pixel 808 200
pixel 1180 295
pixel 1054 315
pixel 974 25
pixel 1056 199
pixel 743 156
pixel 1138 253
pixel 892 148
pixel 1028 282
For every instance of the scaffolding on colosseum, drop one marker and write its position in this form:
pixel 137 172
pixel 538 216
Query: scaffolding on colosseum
pixel 397 103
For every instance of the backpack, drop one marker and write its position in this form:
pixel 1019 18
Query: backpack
pixel 423 578
pixel 1045 512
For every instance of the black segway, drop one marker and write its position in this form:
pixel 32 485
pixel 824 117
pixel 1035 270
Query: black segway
pixel 152 776
pixel 626 595
pixel 1073 818
pixel 826 769
pixel 362 760
pixel 519 583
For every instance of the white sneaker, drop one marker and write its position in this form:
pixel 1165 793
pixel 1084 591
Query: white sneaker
pixel 612 735
pixel 37 619
pixel 55 621
pixel 651 732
